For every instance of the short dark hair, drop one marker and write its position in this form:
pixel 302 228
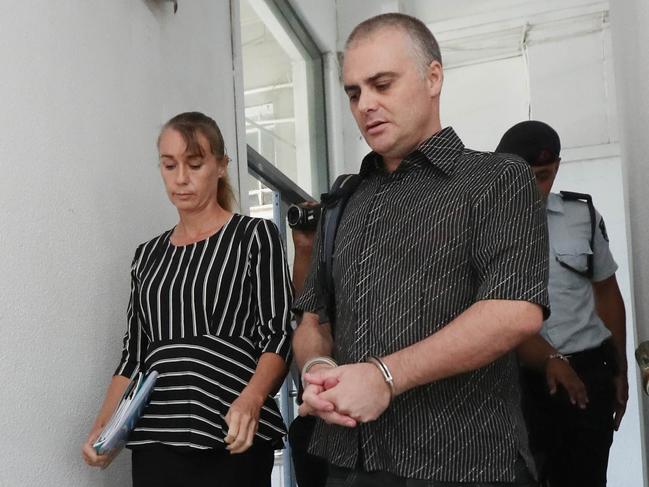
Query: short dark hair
pixel 425 46
pixel 189 125
pixel 532 140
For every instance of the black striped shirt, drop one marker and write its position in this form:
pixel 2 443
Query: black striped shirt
pixel 201 315
pixel 414 249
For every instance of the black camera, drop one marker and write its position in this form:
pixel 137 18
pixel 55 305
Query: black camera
pixel 303 217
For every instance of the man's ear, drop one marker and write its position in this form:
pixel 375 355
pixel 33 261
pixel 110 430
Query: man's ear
pixel 435 77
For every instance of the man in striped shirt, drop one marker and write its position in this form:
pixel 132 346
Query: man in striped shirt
pixel 440 270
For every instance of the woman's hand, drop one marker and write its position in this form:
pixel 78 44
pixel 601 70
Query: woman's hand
pixel 116 389
pixel 243 420
pixel 90 455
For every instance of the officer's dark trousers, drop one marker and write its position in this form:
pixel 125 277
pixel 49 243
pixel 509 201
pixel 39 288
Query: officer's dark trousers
pixel 571 445
pixel 310 471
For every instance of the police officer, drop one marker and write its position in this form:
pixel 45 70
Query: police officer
pixel 575 372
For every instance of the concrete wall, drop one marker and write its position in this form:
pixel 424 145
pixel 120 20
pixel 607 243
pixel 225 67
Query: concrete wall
pixel 86 86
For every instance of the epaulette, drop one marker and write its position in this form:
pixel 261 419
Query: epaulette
pixel 588 199
pixel 572 196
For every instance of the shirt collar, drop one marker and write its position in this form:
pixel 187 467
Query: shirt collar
pixel 441 150
pixel 554 203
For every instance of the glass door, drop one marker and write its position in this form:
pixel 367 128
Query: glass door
pixel 286 136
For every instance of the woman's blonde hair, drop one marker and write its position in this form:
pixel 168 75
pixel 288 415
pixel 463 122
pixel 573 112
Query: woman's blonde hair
pixel 189 125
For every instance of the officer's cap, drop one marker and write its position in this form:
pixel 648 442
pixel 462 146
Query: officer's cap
pixel 534 141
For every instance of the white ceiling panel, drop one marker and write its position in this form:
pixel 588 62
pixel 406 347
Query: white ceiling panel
pixel 567 86
pixel 482 101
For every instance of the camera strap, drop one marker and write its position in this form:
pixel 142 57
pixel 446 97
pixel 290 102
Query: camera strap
pixel 333 204
pixel 586 198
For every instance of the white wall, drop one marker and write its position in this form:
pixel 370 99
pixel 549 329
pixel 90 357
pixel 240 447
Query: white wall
pixel 86 86
pixel 629 20
pixel 319 17
pixel 602 178
pixel 472 94
pixel 570 88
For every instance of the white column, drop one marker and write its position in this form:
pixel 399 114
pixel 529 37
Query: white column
pixel 629 21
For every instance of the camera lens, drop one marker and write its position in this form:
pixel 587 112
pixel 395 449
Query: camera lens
pixel 303 218
pixel 293 215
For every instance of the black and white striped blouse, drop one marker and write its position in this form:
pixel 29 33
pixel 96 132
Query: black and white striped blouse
pixel 201 315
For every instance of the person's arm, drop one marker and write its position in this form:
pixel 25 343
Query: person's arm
pixel 114 393
pixel 134 343
pixel 311 338
pixel 273 296
pixel 477 337
pixel 243 416
pixel 314 339
pixel 610 308
pixel 303 241
pixel 480 335
pixel 300 266
pixel 535 353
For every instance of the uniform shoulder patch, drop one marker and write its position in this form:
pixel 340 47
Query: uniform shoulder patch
pixel 602 228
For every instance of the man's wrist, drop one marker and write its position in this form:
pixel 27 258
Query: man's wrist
pixel 385 372
pixel 316 361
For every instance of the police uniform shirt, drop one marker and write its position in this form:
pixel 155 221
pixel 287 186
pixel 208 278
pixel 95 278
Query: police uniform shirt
pixel 574 325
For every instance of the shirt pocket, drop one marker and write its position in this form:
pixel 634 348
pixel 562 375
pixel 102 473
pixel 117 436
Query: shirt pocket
pixel 575 255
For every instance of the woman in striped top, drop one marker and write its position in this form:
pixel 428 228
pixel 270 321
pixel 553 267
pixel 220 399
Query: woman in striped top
pixel 209 310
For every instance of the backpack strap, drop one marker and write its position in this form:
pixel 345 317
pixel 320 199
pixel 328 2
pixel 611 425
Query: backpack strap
pixel 588 199
pixel 333 204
